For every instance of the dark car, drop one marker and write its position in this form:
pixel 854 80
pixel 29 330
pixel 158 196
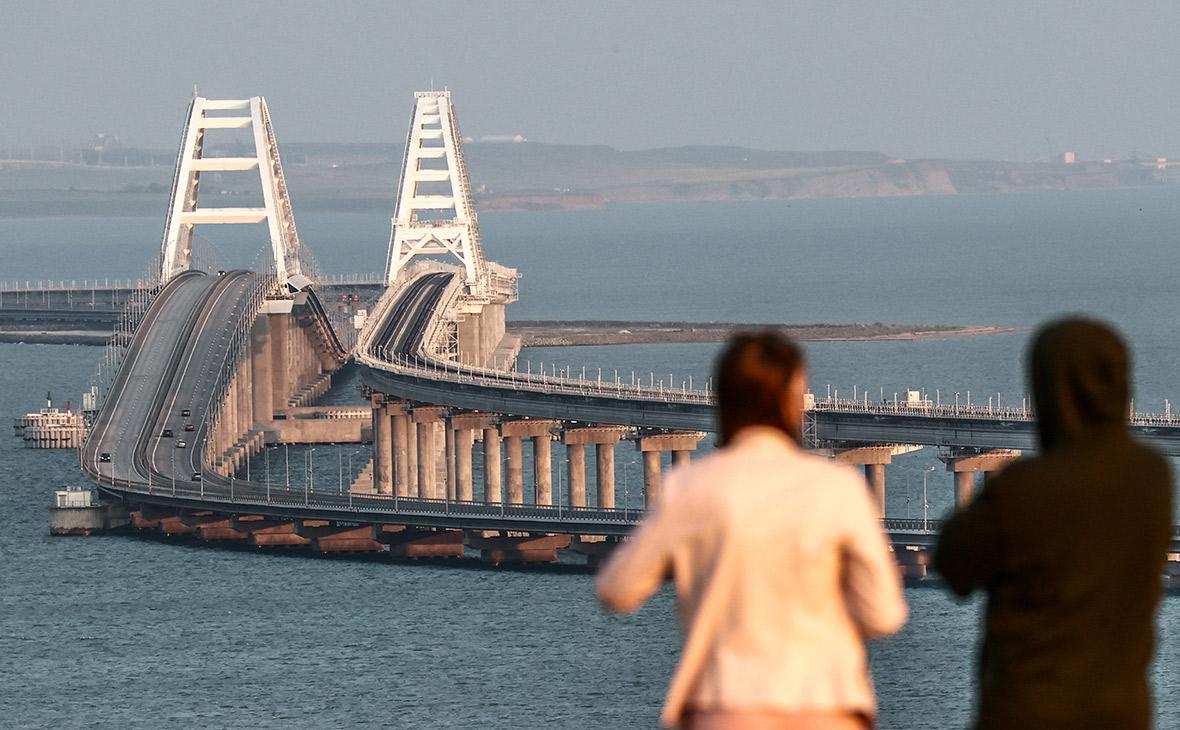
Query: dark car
pixel 189 427
pixel 186 413
pixel 181 444
pixel 104 457
pixel 167 433
pixel 196 476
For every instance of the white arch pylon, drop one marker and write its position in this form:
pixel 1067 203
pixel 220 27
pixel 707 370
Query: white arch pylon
pixel 424 223
pixel 183 213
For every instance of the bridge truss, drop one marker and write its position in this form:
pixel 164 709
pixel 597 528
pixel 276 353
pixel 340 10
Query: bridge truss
pixel 435 214
pixel 183 211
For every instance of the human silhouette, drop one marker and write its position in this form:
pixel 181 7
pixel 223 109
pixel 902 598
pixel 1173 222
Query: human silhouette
pixel 779 561
pixel 1069 547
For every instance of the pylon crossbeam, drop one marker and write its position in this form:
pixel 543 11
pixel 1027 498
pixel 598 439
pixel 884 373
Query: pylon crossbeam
pixel 183 213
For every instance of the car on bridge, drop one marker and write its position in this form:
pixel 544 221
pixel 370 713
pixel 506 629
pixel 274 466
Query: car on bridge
pixel 181 444
pixel 196 476
pixel 104 457
pixel 167 433
pixel 189 427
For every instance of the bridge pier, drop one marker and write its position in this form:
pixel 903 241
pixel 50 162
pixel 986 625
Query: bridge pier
pixel 465 425
pixel 515 467
pixel 873 458
pixel 965 463
pixel 541 433
pixel 400 427
pixel 277 324
pixel 426 418
pixel 575 454
pixel 260 371
pixel 604 439
pixel 382 447
pixel 449 457
pixel 492 489
pixel 652 446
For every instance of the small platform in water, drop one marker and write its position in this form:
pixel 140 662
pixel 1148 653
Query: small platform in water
pixel 51 428
pixel 78 511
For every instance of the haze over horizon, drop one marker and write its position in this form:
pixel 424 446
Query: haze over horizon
pixel 956 80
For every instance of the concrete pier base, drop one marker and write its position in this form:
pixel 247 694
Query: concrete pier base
pixel 417 543
pixel 912 561
pixel 221 530
pixel 99 519
pixel 360 539
pixel 280 534
pixel 497 549
pixel 595 548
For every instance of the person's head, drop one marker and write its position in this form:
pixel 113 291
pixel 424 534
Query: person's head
pixel 761 377
pixel 1079 374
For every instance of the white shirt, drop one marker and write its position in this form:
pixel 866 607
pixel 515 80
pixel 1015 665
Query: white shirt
pixel 781 569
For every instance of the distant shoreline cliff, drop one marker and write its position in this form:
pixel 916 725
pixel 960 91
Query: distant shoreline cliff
pixel 531 176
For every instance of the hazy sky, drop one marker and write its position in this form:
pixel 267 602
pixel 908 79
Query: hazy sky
pixel 988 78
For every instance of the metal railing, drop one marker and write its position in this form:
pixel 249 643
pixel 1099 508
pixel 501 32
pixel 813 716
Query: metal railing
pixel 428 364
pixel 993 410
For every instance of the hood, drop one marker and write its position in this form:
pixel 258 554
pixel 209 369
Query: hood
pixel 1079 373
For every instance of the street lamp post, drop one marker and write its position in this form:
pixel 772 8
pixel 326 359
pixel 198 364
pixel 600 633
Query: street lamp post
pixel 925 501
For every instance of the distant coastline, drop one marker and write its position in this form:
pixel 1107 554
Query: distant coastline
pixel 542 177
pixel 554 333
pixel 547 333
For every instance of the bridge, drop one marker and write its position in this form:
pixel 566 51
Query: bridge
pixel 207 368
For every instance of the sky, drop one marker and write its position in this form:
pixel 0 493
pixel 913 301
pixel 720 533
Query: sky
pixel 989 79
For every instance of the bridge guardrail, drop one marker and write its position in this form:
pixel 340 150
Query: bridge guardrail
pixel 1024 413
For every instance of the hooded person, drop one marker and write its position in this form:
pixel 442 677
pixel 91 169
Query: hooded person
pixel 1069 546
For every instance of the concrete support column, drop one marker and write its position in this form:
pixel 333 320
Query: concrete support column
pixel 652 478
pixel 279 382
pixel 247 402
pixel 576 455
pixel 873 458
pixel 964 488
pixel 875 475
pixel 541 432
pixel 451 476
pixel 399 437
pixel 382 451
pixel 426 460
pixel 652 445
pixel 491 465
pixel 605 461
pixel 966 462
pixel 260 368
pixel 543 468
pixel 229 410
pixel 413 486
pixel 427 418
pixel 466 425
pixel 463 486
pixel 515 470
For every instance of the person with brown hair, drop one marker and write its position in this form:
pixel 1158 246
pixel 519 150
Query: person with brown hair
pixel 780 564
pixel 1070 547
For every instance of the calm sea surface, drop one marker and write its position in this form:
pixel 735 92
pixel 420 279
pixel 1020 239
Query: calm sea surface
pixel 135 633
